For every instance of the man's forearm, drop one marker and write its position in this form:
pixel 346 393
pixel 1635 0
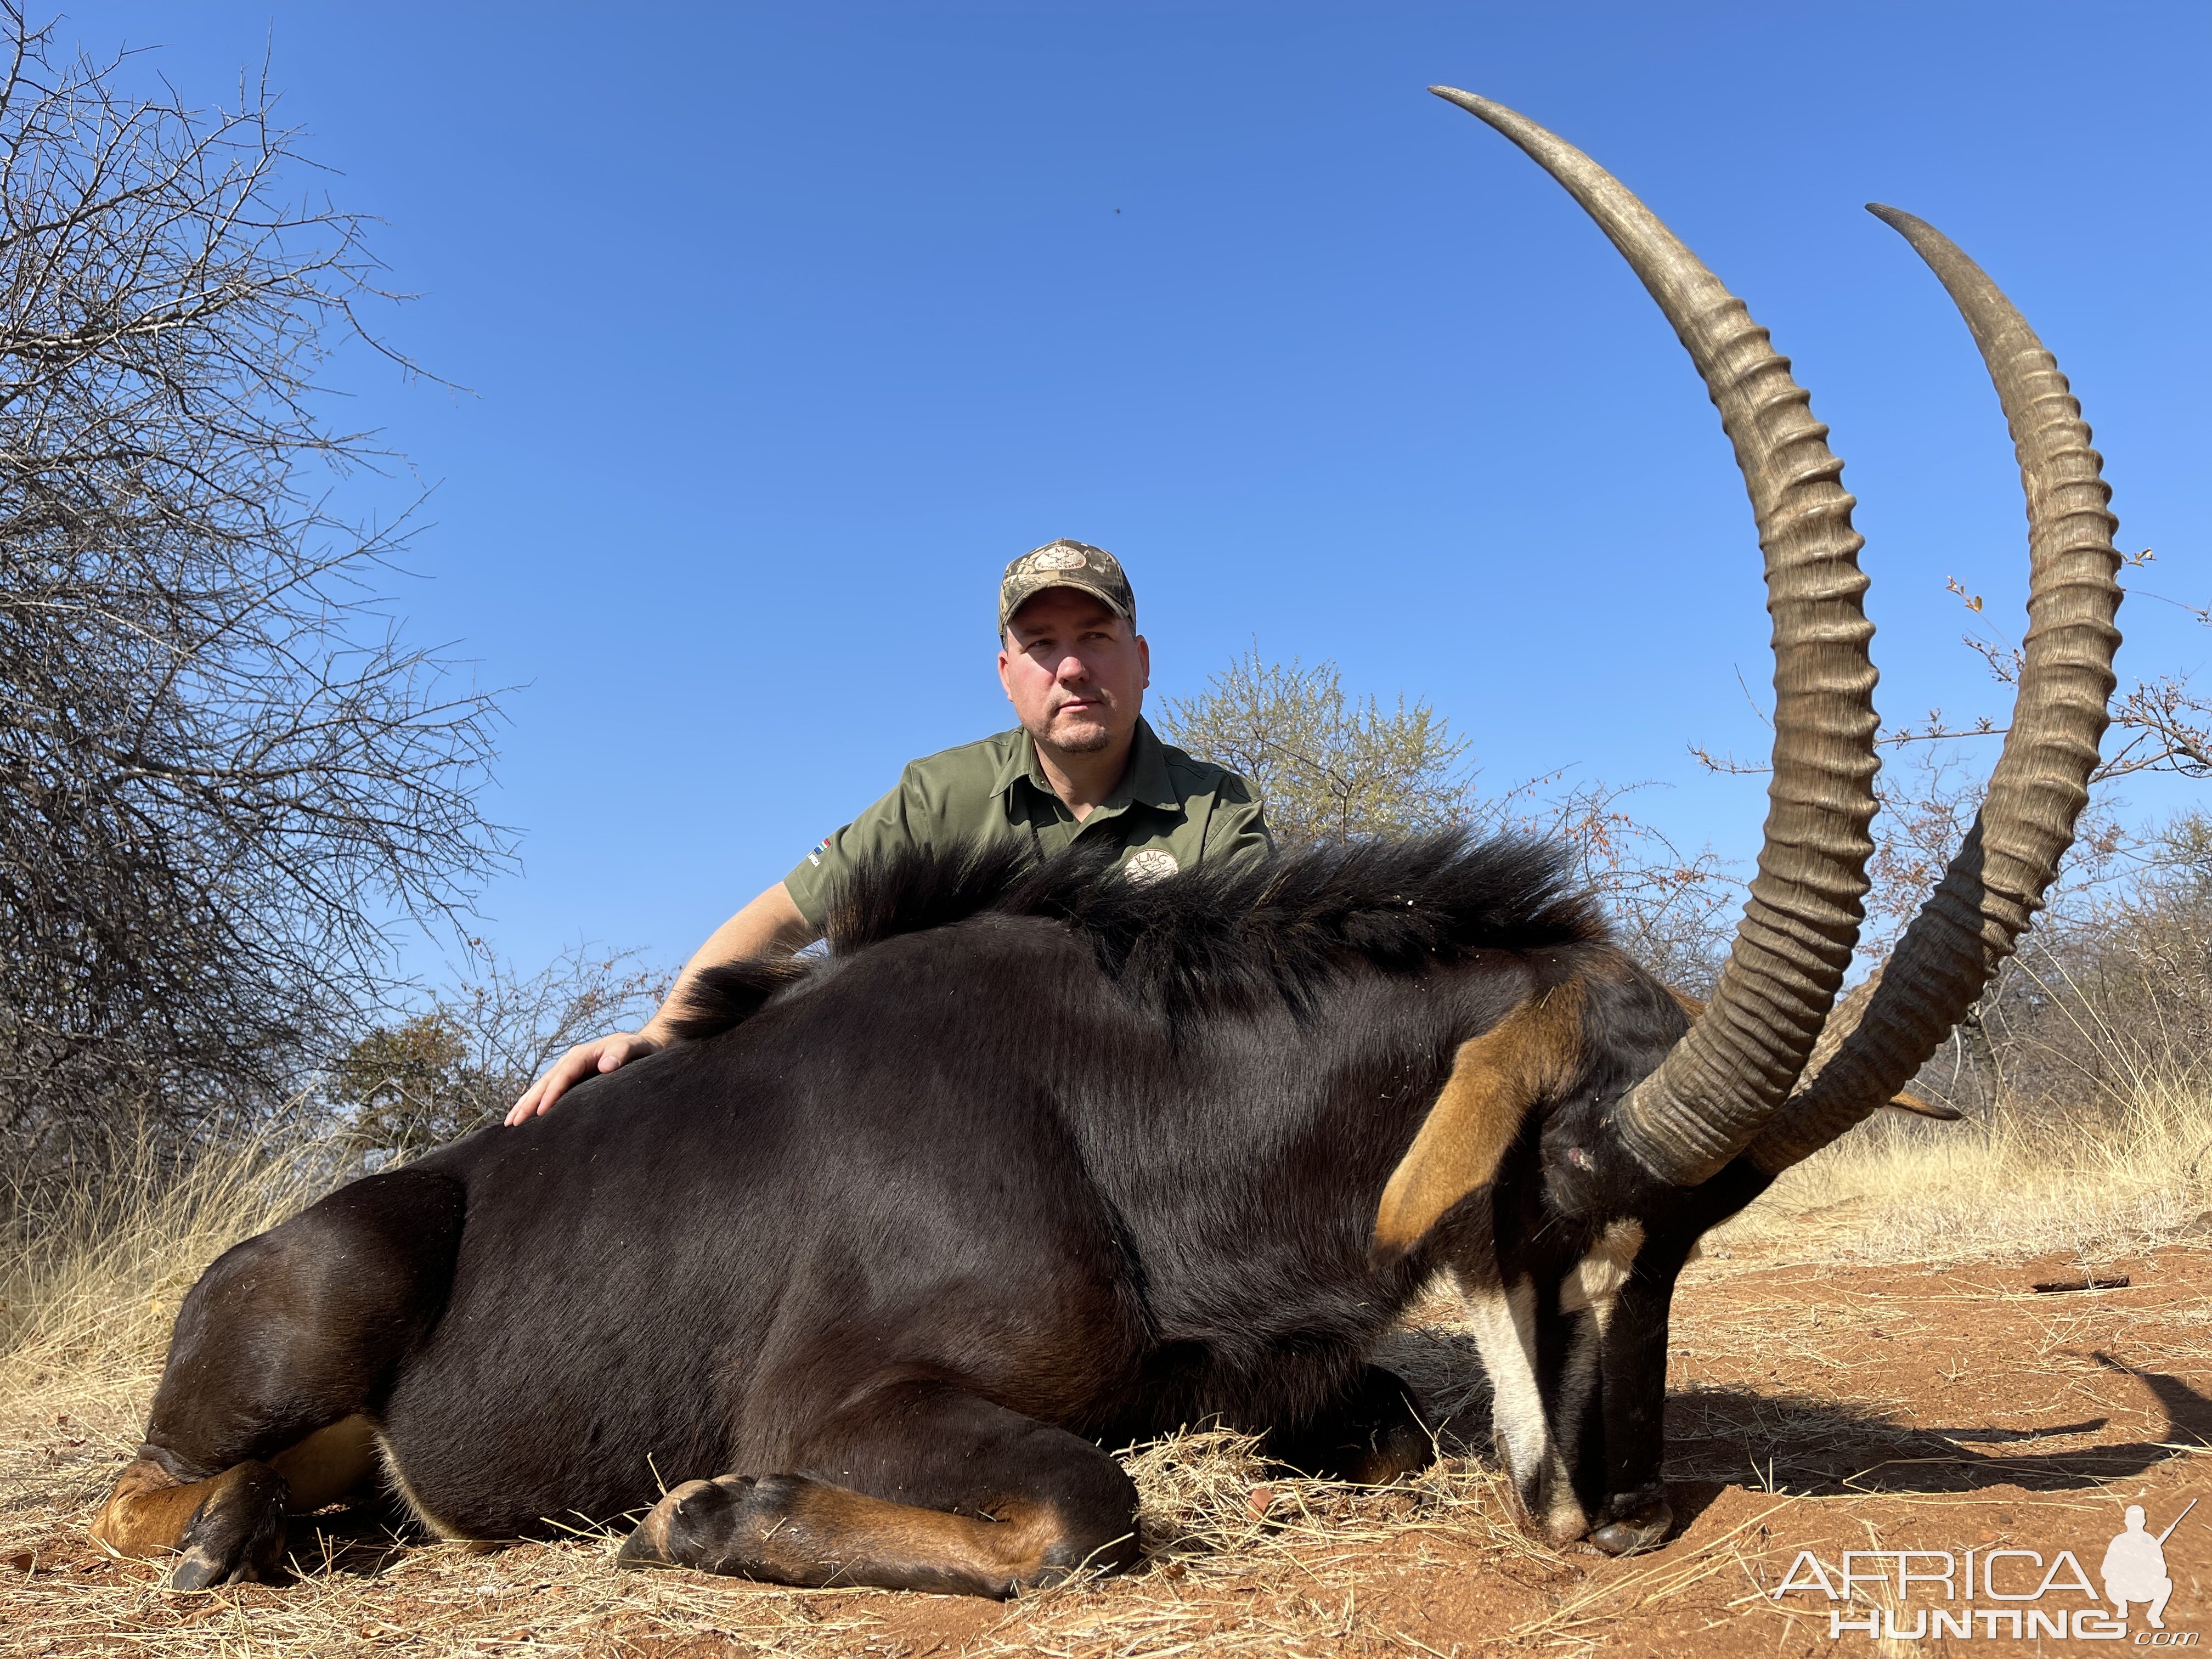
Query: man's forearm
pixel 770 926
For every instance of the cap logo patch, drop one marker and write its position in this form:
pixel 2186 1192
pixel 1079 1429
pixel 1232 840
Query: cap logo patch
pixel 1058 558
pixel 1150 865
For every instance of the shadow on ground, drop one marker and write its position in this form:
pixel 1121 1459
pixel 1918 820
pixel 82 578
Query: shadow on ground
pixel 1823 1447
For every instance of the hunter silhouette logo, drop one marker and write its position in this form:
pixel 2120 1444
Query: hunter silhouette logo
pixel 2000 1594
pixel 2135 1566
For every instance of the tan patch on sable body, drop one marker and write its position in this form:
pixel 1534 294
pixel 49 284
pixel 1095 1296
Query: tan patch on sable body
pixel 833 1523
pixel 1495 1079
pixel 821 1533
pixel 149 1510
pixel 329 1464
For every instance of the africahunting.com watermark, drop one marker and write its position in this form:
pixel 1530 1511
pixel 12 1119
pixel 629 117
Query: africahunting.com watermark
pixel 2000 1594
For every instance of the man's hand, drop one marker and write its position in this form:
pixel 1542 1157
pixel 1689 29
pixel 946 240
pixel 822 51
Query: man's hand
pixel 584 1059
pixel 770 926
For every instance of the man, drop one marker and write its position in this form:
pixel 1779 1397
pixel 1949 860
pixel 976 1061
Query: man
pixel 1082 765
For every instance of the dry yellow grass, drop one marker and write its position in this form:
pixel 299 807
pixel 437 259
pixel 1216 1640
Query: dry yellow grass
pixel 88 1299
pixel 90 1283
pixel 1903 1189
pixel 91 1290
pixel 361 1596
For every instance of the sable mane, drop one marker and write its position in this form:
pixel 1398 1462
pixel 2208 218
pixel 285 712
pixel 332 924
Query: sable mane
pixel 1203 940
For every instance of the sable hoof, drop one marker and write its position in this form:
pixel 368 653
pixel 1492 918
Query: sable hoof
pixel 1645 1528
pixel 199 1570
pixel 237 1536
pixel 672 1535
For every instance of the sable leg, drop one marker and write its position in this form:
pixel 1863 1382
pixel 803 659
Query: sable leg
pixel 277 1350
pixel 1369 1437
pixel 227 1529
pixel 919 1486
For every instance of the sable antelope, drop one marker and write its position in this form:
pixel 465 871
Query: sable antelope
pixel 871 1266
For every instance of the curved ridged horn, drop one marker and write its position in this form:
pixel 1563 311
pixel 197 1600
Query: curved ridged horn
pixel 1996 882
pixel 1738 1062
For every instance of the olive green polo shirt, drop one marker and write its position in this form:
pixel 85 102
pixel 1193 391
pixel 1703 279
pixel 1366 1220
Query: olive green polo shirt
pixel 1169 812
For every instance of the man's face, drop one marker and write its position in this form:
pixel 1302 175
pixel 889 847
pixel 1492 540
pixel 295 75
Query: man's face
pixel 1074 670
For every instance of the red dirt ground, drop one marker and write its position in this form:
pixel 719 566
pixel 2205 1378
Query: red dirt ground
pixel 1824 1409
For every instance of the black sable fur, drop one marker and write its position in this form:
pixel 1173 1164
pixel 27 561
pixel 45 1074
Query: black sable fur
pixel 1036 1160
pixel 1201 941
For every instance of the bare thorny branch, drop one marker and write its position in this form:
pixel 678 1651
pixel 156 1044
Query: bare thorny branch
pixel 1333 768
pixel 224 775
pixel 1928 796
pixel 2158 725
pixel 459 1063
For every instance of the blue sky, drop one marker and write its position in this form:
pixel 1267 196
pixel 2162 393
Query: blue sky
pixel 784 327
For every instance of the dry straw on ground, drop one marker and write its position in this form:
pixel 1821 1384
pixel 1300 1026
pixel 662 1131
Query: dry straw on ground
pixel 1238 1562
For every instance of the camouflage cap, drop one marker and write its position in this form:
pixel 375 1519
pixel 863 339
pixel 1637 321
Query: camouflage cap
pixel 1064 564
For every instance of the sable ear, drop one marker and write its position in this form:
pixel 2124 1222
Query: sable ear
pixel 1495 1079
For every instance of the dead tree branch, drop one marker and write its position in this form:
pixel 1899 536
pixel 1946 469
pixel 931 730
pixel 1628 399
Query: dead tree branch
pixel 225 776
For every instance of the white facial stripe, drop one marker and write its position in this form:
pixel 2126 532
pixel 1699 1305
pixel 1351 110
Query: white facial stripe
pixel 1592 1283
pixel 1504 1326
pixel 1619 1244
pixel 1517 1407
pixel 1589 1283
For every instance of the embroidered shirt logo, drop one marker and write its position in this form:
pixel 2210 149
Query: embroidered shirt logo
pixel 1150 864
